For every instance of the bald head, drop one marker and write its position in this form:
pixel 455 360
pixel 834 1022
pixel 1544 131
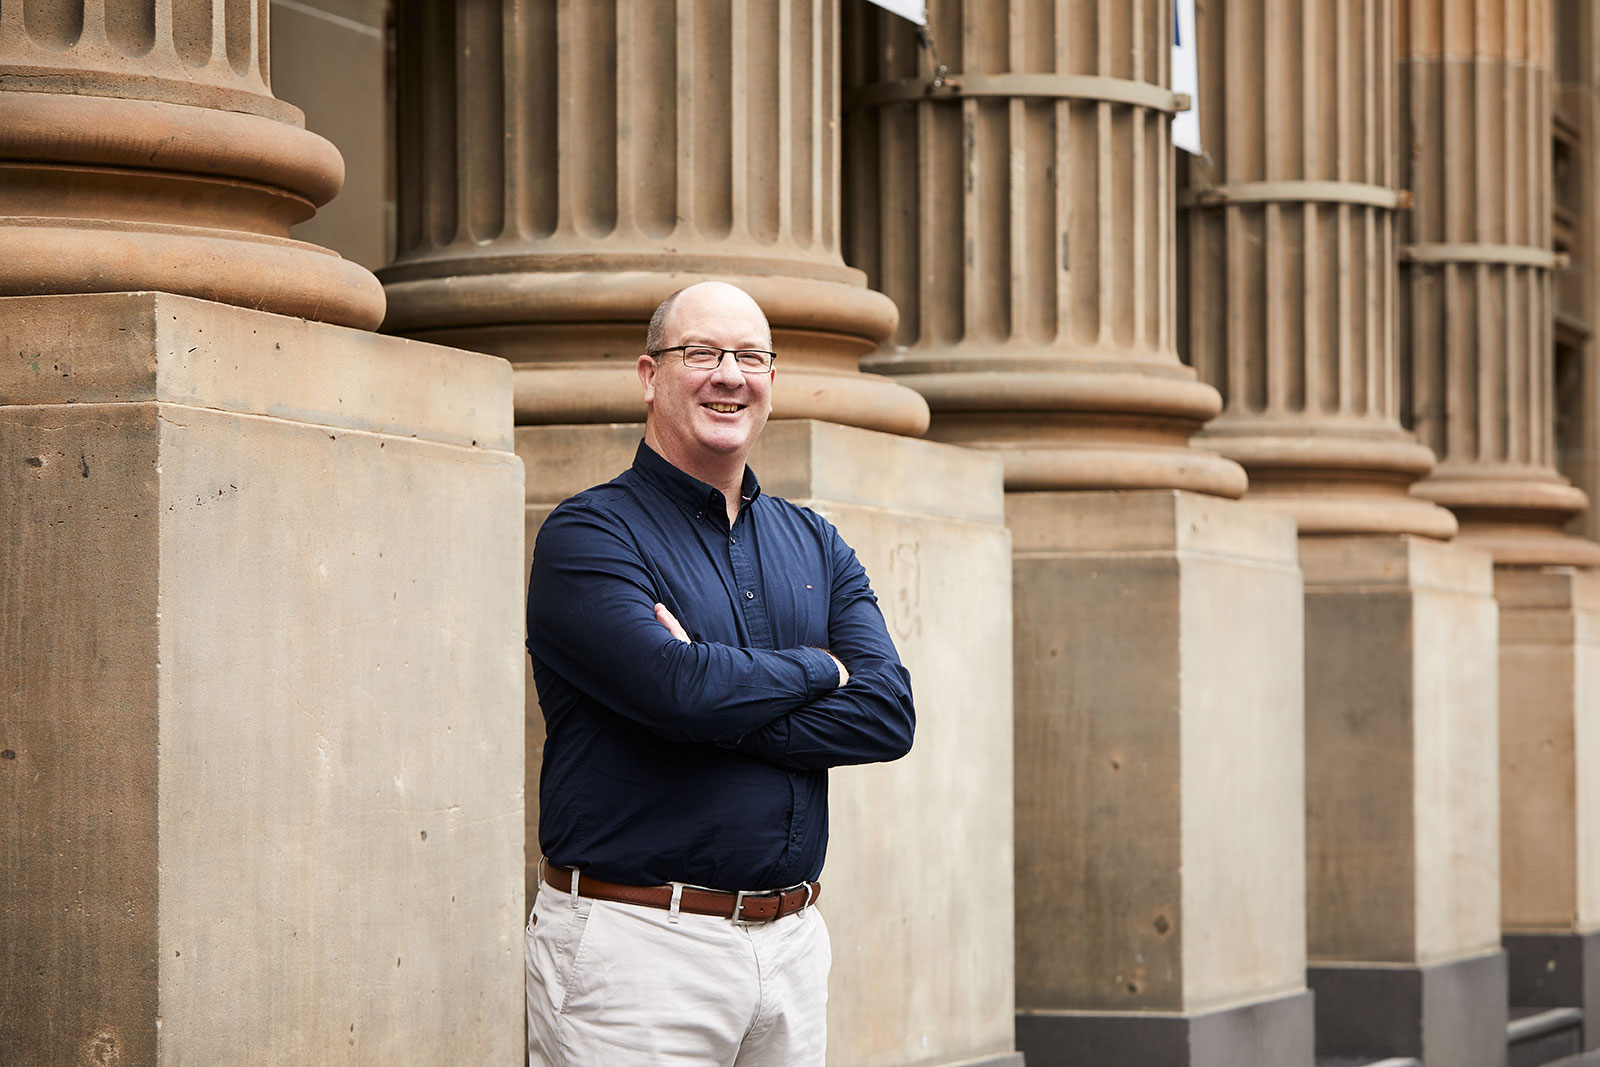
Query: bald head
pixel 708 296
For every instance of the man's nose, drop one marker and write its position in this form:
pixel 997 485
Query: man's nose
pixel 728 371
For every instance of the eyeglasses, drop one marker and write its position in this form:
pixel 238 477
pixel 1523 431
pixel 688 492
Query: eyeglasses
pixel 704 357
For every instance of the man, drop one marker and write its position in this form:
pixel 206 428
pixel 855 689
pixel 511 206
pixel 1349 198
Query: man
pixel 703 654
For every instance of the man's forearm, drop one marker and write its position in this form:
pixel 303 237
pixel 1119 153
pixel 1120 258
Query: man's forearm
pixel 870 720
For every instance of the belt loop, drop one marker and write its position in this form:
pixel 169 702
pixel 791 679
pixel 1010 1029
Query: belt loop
pixel 677 897
pixel 574 889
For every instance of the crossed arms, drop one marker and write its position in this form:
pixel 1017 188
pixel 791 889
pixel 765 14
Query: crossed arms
pixel 593 620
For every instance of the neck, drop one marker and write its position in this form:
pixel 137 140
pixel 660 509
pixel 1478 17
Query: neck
pixel 723 473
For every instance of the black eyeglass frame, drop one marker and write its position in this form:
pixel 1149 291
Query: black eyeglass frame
pixel 683 353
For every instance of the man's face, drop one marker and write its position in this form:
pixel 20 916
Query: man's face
pixel 708 416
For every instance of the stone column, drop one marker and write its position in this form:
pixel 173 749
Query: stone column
pixel 1477 327
pixel 565 167
pixel 1476 266
pixel 258 587
pixel 1289 304
pixel 1010 186
pixel 145 150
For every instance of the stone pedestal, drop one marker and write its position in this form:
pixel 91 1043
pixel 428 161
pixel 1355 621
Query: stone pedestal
pixel 930 980
pixel 1160 759
pixel 1401 800
pixel 1550 770
pixel 259 628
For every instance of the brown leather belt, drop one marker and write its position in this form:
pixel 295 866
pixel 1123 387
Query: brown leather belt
pixel 745 907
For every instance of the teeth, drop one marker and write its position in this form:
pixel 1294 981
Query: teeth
pixel 726 408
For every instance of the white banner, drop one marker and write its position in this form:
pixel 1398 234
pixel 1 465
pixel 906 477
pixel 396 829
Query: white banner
pixel 915 10
pixel 1185 77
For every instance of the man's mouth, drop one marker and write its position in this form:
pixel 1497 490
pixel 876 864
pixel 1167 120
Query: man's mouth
pixel 726 409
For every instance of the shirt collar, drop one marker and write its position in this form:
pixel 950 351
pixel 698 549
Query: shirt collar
pixel 690 492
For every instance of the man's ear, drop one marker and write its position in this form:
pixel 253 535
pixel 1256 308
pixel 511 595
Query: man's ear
pixel 647 376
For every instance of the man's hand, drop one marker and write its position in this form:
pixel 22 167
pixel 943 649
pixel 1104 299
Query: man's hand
pixel 674 627
pixel 844 675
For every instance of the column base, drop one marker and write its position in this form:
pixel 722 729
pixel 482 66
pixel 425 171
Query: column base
pixel 1449 1014
pixel 1557 971
pixel 1267 1033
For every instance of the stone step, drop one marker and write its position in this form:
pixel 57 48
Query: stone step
pixel 1362 1061
pixel 1537 1037
pixel 1582 1059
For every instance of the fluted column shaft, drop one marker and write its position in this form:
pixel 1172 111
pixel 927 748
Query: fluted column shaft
pixel 1476 266
pixel 1288 286
pixel 1017 206
pixel 566 166
pixel 143 150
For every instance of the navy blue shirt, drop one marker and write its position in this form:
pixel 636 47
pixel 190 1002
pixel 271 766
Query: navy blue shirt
pixel 702 762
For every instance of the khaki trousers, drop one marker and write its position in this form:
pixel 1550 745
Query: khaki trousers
pixel 621 985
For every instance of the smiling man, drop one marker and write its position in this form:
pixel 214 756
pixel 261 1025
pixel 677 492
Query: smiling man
pixel 703 654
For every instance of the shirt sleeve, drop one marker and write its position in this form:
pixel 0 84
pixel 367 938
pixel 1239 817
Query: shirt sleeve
pixel 591 619
pixel 871 718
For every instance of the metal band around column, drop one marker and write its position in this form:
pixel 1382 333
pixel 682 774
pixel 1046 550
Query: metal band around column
pixel 1360 194
pixel 1469 252
pixel 957 86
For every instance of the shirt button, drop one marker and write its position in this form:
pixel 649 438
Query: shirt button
pixel 733 540
pixel 748 595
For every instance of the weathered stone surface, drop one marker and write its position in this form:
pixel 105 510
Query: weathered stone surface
pixel 928 979
pixel 1160 753
pixel 1549 748
pixel 262 651
pixel 1401 798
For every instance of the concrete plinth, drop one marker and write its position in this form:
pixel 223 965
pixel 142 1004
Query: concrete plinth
pixel 1261 1032
pixel 1402 807
pixel 259 635
pixel 1444 1013
pixel 1160 826
pixel 1557 971
pixel 919 873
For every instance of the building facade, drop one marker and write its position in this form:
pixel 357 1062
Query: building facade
pixel 1231 511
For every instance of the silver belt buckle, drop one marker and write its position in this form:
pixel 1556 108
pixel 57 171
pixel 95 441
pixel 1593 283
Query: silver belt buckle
pixel 738 906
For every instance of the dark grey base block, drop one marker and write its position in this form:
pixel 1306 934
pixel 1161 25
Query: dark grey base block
pixel 1557 971
pixel 1447 1014
pixel 999 1059
pixel 1268 1033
